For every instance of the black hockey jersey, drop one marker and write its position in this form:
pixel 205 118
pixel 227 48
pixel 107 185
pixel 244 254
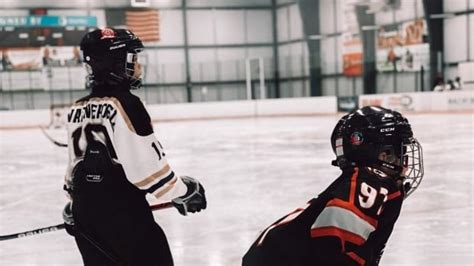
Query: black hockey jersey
pixel 347 224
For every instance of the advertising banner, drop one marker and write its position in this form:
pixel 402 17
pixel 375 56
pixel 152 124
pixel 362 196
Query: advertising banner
pixel 21 59
pixel 47 68
pixel 48 21
pixel 62 56
pixel 347 103
pixel 422 101
pixel 352 50
pixel 404 47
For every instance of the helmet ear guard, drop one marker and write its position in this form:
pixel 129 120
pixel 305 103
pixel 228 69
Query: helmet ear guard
pixel 381 139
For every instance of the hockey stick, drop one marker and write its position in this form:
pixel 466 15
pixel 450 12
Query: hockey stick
pixel 62 226
pixel 34 232
pixel 110 255
pixel 161 206
pixel 51 139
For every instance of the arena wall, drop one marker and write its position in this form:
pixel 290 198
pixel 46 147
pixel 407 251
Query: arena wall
pixel 418 102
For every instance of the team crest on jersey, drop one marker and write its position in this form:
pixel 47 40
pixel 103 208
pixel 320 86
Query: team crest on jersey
pixel 357 138
pixel 107 33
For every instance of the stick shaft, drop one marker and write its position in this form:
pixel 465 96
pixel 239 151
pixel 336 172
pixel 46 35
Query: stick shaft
pixel 57 143
pixel 107 253
pixel 161 206
pixel 33 232
pixel 57 227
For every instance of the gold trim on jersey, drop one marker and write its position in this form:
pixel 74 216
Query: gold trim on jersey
pixel 116 102
pixel 170 185
pixel 154 176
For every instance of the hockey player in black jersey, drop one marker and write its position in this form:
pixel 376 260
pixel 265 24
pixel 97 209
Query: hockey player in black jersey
pixel 115 161
pixel 350 222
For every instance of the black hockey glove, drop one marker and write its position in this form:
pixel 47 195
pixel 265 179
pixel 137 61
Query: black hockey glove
pixel 69 219
pixel 194 200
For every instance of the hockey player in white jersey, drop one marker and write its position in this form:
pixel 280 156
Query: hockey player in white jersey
pixel 115 160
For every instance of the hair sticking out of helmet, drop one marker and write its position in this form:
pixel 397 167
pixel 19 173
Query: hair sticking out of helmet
pixel 111 57
pixel 381 139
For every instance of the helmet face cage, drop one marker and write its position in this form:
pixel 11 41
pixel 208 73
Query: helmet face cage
pixel 413 166
pixel 131 61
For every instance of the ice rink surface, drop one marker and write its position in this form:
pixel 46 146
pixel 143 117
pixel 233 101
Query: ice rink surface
pixel 254 171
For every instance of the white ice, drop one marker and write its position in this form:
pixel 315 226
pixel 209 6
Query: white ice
pixel 254 172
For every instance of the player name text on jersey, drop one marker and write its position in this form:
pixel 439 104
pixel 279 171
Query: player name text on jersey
pixel 92 111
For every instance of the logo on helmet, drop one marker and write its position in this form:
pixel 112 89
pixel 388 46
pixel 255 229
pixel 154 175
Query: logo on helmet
pixel 357 138
pixel 107 33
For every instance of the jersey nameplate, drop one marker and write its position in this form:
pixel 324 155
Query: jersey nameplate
pixel 92 111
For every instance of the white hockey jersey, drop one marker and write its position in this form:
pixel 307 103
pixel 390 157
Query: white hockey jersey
pixel 123 125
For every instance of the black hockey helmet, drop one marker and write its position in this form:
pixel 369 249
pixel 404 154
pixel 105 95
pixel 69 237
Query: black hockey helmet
pixel 110 56
pixel 360 137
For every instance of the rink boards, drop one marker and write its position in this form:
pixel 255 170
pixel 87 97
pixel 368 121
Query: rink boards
pixel 423 102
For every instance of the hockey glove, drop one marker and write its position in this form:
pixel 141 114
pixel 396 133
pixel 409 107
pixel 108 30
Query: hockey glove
pixel 194 200
pixel 69 219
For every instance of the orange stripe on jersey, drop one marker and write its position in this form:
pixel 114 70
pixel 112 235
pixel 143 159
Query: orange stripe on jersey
pixel 356 257
pixel 352 208
pixel 337 232
pixel 154 176
pixel 353 185
pixel 394 195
